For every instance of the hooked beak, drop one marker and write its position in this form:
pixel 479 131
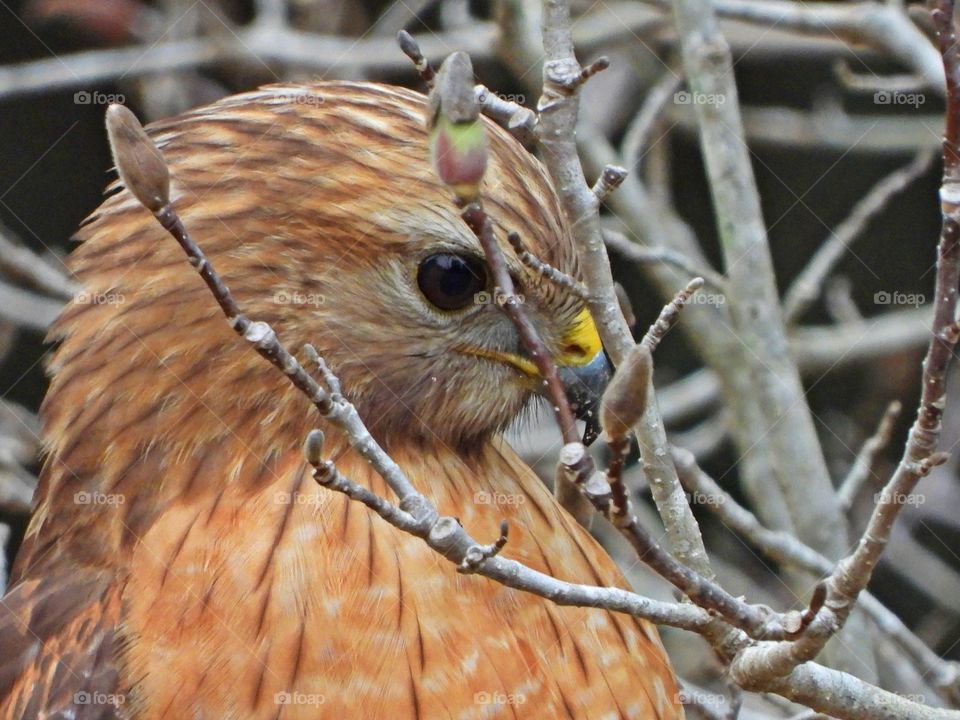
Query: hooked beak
pixel 585 371
pixel 582 366
pixel 585 385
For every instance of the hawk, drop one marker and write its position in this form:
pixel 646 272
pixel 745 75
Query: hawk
pixel 181 562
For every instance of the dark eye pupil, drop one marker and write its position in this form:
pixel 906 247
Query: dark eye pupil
pixel 451 281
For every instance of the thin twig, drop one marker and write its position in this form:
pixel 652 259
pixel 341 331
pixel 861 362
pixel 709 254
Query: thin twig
pixel 920 456
pixel 558 278
pixel 870 82
pixel 252 46
pixel 787 549
pixel 411 48
pixel 608 494
pixel 610 179
pixel 881 26
pixel 670 314
pixel 783 428
pixel 805 288
pixel 624 403
pixel 331 380
pixel 637 135
pixel 478 221
pixel 624 246
pixel 863 465
pixel 27 309
pixel 558 107
pixel 22 263
pixel 520 120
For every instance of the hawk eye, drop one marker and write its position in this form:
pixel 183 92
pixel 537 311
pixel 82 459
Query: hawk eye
pixel 451 281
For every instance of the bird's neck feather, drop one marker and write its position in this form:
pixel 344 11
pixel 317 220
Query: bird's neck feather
pixel 231 557
pixel 295 588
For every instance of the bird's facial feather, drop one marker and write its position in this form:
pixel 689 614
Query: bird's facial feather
pixel 436 374
pixel 319 216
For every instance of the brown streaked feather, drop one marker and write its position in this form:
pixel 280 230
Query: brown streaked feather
pixel 195 587
pixel 60 644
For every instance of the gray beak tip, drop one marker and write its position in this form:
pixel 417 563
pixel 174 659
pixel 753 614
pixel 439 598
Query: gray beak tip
pixel 585 385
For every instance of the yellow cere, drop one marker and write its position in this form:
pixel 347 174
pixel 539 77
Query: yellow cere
pixel 579 346
pixel 582 343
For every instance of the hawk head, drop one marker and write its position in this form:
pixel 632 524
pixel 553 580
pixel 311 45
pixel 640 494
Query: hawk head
pixel 319 206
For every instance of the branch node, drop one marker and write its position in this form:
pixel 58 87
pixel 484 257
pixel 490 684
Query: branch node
pixel 477 554
pixel 598 65
pixel 313 447
pixel 330 380
pixel 610 179
pixel 925 466
pixel 804 619
pixel 444 531
pixel 576 462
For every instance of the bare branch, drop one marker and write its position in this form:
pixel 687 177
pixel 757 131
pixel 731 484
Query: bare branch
pixel 920 455
pixel 670 314
pixel 558 108
pixel 788 437
pixel 637 135
pixel 253 46
pixel 863 465
pixel 27 309
pixel 21 263
pixel 558 278
pixel 624 246
pixel 411 48
pixel 806 286
pixel 415 514
pixel 519 120
pixel 787 549
pixel 480 224
pixel 885 27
